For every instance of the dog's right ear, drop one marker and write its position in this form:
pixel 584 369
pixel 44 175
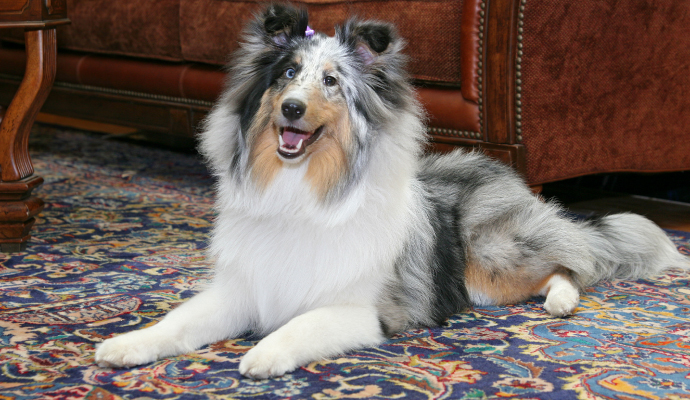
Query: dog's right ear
pixel 281 23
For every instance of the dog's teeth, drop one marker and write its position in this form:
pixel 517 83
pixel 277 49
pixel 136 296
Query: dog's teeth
pixel 290 149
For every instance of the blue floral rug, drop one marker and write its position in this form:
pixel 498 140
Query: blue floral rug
pixel 121 242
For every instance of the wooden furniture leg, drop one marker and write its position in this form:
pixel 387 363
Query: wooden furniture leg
pixel 17 180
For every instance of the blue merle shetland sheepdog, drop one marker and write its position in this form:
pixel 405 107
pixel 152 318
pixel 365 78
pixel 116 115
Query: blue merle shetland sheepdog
pixel 335 232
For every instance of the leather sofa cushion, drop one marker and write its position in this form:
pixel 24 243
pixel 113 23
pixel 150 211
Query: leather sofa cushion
pixel 604 87
pixel 148 28
pixel 431 28
pixel 207 31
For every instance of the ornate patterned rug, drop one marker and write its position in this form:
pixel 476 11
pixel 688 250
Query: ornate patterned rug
pixel 121 242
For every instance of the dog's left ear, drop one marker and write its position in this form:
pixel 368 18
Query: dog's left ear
pixel 369 39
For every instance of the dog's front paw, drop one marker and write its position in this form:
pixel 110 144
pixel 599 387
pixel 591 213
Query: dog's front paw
pixel 128 350
pixel 266 361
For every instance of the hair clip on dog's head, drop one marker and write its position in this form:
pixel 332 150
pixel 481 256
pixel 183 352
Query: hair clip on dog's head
pixel 309 33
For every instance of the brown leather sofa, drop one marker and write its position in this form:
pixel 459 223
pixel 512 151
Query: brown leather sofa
pixel 557 88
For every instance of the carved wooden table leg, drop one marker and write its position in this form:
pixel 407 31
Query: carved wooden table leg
pixel 17 180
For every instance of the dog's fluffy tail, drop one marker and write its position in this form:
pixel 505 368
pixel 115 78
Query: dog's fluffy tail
pixel 628 246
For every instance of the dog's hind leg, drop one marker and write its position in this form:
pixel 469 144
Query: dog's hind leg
pixel 314 335
pixel 211 315
pixel 562 296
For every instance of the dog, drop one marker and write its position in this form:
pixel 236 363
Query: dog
pixel 335 231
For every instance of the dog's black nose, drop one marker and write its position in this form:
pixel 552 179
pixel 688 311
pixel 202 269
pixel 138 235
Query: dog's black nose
pixel 293 109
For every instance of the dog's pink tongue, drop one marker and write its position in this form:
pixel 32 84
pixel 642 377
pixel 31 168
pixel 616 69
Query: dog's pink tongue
pixel 292 138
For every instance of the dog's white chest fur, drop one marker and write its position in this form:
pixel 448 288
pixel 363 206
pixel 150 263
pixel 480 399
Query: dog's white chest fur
pixel 293 254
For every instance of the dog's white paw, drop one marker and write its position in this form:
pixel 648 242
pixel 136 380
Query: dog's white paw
pixel 128 350
pixel 562 300
pixel 267 361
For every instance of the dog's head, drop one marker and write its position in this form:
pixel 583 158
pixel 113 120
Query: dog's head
pixel 307 98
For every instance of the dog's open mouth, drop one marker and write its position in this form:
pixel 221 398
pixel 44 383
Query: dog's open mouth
pixel 294 142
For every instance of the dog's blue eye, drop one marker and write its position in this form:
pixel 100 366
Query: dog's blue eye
pixel 290 73
pixel 329 81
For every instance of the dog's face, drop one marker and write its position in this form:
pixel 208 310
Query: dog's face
pixel 308 99
pixel 303 116
pixel 307 102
